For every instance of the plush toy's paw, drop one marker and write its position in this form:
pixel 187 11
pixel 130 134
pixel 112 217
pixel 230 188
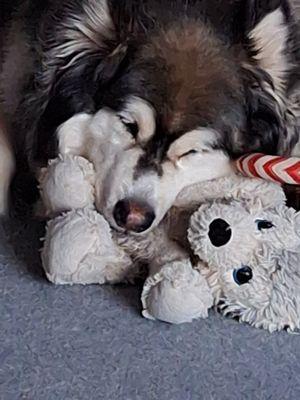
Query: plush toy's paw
pixel 78 248
pixel 176 294
pixel 66 184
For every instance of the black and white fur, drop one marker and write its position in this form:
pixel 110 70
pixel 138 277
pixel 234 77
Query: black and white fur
pixel 178 87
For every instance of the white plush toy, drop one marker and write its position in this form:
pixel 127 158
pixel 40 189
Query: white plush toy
pixel 81 248
pixel 252 257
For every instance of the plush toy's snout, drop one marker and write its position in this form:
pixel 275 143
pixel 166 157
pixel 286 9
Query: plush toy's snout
pixel 219 232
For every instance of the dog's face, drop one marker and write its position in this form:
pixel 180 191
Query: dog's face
pixel 134 193
pixel 171 103
pixel 162 125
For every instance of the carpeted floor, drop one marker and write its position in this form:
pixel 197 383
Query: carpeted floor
pixel 85 343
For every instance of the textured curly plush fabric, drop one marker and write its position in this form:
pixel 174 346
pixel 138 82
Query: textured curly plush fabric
pixel 86 343
pixel 269 297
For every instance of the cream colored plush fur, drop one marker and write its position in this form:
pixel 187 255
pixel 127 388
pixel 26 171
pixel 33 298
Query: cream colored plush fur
pixel 80 247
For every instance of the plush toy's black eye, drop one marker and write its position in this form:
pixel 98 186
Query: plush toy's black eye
pixel 219 232
pixel 242 275
pixel 263 224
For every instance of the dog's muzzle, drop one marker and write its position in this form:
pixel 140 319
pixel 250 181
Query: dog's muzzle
pixel 133 215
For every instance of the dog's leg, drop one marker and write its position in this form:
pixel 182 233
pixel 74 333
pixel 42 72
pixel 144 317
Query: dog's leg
pixel 7 166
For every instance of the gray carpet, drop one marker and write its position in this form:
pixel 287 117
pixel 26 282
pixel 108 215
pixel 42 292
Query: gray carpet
pixel 77 343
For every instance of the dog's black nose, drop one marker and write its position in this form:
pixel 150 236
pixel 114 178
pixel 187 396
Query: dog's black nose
pixel 133 215
pixel 219 232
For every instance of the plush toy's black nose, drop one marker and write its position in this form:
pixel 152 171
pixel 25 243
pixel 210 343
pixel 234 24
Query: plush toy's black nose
pixel 133 215
pixel 242 275
pixel 219 232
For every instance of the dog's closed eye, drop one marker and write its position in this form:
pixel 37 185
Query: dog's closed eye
pixel 187 153
pixel 130 125
pixel 199 141
pixel 132 128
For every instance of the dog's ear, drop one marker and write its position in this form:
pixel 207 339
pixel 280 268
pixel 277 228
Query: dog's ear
pixel 84 54
pixel 269 33
pixel 75 88
pixel 81 50
pixel 264 117
pixel 266 74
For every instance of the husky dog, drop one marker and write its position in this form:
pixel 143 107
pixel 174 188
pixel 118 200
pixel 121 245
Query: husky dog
pixel 183 85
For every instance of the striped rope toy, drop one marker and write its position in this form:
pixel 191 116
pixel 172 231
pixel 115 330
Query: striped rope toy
pixel 272 168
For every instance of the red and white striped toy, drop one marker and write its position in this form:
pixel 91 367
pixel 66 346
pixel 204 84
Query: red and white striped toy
pixel 273 168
